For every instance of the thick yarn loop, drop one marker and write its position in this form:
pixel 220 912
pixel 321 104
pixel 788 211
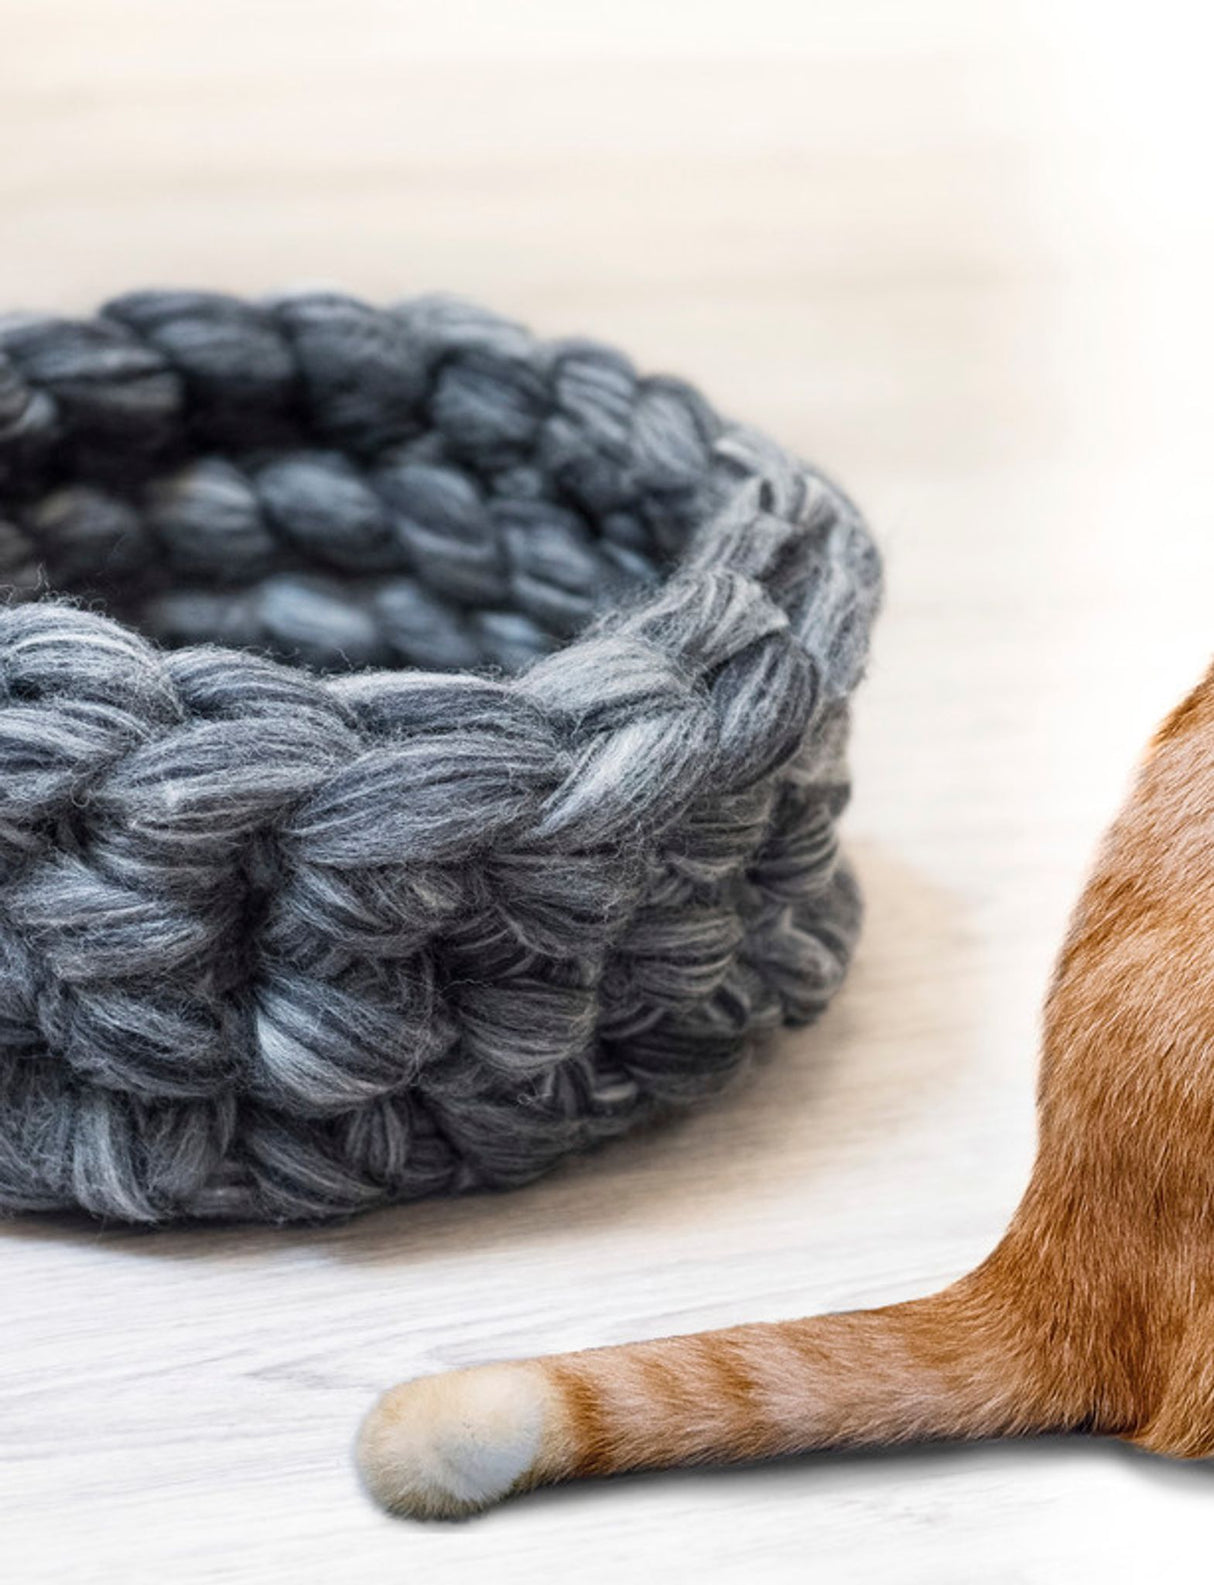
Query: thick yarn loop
pixel 421 748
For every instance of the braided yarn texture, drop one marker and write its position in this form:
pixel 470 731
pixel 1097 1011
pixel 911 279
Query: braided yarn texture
pixel 421 748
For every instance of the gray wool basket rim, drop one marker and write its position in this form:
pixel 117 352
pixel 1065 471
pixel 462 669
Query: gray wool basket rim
pixel 291 926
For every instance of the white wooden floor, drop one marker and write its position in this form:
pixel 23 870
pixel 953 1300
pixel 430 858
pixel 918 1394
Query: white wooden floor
pixel 961 254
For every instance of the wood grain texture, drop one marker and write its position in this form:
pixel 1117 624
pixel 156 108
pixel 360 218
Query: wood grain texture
pixel 960 255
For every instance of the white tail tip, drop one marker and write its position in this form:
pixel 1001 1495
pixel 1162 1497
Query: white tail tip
pixel 445 1446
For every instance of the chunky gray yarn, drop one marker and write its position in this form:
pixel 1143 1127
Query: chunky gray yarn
pixel 451 780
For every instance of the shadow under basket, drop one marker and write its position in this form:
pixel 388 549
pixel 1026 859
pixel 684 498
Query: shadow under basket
pixel 421 748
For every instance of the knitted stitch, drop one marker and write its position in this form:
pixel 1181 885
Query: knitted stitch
pixel 290 927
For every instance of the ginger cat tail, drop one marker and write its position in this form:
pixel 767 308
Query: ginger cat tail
pixel 1095 1312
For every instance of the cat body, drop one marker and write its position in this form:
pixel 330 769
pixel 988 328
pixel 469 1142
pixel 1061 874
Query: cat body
pixel 1095 1312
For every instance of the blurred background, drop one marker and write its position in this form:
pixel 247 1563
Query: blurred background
pixel 959 254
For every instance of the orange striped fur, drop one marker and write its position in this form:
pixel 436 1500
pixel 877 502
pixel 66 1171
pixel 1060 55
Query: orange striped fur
pixel 1095 1312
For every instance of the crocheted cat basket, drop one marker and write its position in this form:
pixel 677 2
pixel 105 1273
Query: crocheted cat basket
pixel 420 752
